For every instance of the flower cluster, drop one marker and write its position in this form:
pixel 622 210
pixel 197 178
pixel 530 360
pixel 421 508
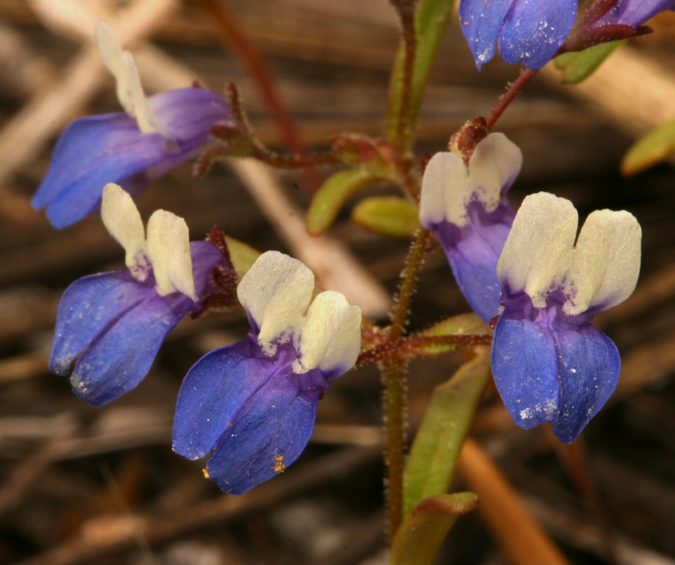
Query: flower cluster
pixel 549 362
pixel 253 404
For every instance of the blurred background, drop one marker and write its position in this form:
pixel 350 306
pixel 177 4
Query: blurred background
pixel 101 485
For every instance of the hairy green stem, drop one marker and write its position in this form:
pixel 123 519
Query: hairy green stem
pixel 394 376
pixel 403 135
pixel 407 286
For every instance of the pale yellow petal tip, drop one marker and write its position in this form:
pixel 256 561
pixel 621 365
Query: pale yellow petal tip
pixel 123 222
pixel 169 250
pixel 121 65
pixel 597 268
pixel 449 186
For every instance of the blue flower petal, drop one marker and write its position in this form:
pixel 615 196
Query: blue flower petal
pixel 589 371
pixel 269 434
pixel 188 114
pixel 96 150
pixel 481 22
pixel 525 369
pixel 473 252
pixel 205 257
pixel 90 153
pixel 534 30
pixel 635 12
pixel 119 358
pixel 88 307
pixel 213 393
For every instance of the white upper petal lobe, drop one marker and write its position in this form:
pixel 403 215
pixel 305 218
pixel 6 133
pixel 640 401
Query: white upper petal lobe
pixel 449 186
pixel 169 251
pixel 166 249
pixel 129 90
pixel 277 293
pixel 540 255
pixel 123 221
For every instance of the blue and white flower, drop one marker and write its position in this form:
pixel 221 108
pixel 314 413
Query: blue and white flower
pixel 549 362
pixel 133 149
pixel 112 325
pixel 526 31
pixel 252 405
pixel 466 207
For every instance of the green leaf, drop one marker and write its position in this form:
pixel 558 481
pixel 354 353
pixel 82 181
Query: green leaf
pixel 578 66
pixel 243 256
pixel 387 215
pixel 433 457
pixel 657 145
pixel 421 534
pixel 464 324
pixel 431 19
pixel 331 197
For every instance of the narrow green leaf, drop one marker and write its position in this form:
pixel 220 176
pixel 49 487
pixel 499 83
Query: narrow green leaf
pixel 387 215
pixel 657 145
pixel 431 20
pixel 243 256
pixel 419 538
pixel 331 197
pixel 578 66
pixel 433 457
pixel 464 324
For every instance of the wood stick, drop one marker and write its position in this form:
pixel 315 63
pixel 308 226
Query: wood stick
pixel 23 72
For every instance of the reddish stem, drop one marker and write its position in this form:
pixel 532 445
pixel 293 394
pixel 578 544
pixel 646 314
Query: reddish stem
pixel 508 97
pixel 235 38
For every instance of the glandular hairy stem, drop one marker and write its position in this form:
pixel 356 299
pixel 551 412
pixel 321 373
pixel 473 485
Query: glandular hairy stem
pixel 394 373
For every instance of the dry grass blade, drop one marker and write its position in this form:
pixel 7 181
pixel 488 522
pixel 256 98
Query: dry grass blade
pixel 521 536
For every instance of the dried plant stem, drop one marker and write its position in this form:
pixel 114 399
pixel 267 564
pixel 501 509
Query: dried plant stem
pixel 394 376
pixel 236 39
